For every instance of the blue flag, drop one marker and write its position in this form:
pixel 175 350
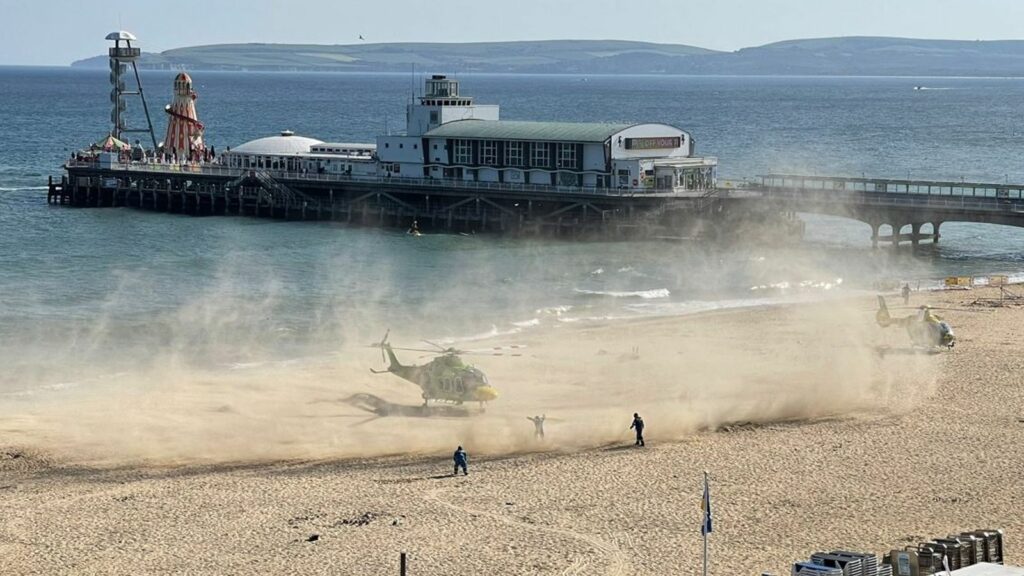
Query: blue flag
pixel 705 506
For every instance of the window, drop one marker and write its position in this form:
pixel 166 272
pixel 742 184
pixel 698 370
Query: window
pixel 434 118
pixel 566 155
pixel 489 152
pixel 401 145
pixel 568 179
pixel 514 154
pixel 540 156
pixel 463 152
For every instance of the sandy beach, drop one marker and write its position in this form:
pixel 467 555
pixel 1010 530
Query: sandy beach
pixel 813 439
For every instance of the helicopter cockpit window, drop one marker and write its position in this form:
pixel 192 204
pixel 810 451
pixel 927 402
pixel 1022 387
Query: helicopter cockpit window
pixel 478 375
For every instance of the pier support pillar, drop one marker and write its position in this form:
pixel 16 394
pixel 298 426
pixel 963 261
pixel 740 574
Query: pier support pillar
pixel 874 234
pixel 935 232
pixel 897 231
pixel 915 229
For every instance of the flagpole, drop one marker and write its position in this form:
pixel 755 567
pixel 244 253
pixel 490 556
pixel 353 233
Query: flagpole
pixel 704 520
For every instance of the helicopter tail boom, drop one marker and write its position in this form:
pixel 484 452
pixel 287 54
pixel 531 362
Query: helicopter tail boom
pixel 882 316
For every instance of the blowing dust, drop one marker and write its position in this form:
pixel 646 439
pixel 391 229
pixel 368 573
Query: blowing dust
pixel 682 374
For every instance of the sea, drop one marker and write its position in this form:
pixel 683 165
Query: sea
pixel 79 285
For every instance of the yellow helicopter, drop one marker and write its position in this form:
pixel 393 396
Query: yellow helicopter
pixel 446 378
pixel 926 330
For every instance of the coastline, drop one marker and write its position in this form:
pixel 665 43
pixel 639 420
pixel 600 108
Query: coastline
pixel 908 463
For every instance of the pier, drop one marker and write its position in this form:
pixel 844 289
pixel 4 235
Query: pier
pixel 458 167
pixel 442 205
pixel 897 211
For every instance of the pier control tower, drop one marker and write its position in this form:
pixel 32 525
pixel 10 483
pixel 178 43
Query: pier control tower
pixel 122 54
pixel 442 103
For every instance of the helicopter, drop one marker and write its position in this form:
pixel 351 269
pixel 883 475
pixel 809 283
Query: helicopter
pixel 926 330
pixel 446 378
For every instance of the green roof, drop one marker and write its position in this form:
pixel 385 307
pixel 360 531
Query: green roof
pixel 508 130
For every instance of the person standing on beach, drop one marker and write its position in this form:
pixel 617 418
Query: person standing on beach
pixel 460 462
pixel 538 425
pixel 638 425
pixel 906 294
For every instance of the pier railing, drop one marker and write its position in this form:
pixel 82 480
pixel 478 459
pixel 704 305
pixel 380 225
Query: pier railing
pixel 805 191
pixel 891 186
pixel 217 170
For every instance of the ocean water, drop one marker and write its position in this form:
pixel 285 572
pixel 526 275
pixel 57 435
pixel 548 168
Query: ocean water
pixel 78 284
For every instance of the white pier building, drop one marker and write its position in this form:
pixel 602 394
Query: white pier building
pixel 449 137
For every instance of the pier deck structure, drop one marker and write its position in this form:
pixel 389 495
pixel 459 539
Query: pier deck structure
pixel 897 210
pixel 897 204
pixel 446 205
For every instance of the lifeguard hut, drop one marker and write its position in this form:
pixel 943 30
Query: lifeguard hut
pixel 122 54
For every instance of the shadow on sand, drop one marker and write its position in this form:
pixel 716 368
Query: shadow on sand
pixel 381 407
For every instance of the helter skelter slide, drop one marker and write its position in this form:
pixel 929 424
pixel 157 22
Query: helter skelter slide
pixel 184 130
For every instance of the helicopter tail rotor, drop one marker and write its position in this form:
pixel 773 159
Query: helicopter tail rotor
pixel 383 342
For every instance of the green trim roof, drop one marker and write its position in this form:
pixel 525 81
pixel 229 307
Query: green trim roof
pixel 511 130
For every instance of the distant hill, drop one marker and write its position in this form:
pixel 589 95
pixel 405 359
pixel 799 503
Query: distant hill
pixel 470 57
pixel 848 56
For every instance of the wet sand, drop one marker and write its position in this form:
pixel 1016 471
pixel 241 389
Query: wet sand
pixel 812 438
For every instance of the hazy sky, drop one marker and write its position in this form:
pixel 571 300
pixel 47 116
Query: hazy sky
pixel 55 32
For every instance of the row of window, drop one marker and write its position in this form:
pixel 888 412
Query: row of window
pixel 539 154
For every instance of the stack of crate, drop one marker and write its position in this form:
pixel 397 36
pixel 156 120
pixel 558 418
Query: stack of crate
pixel 850 566
pixel 869 562
pixel 949 549
pixel 992 545
pixel 812 569
pixel 913 561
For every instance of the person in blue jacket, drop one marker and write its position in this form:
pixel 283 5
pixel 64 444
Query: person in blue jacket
pixel 638 425
pixel 460 461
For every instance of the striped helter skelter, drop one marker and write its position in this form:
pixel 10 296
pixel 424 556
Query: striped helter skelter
pixel 184 130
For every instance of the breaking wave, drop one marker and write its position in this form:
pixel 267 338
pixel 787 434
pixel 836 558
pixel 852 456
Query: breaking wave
pixel 644 294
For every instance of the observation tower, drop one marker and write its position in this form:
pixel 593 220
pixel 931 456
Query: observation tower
pixel 122 53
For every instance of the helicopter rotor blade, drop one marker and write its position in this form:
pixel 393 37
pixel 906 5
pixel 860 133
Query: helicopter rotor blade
pixel 435 345
pixel 497 348
pixel 420 350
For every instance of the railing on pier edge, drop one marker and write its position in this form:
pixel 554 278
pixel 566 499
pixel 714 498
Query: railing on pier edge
pixel 438 183
pixel 883 192
pixel 879 186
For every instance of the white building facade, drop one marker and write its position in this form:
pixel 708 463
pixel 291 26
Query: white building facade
pixel 291 153
pixel 449 137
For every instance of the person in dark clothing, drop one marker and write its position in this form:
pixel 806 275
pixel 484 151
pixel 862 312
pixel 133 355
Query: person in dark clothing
pixel 906 294
pixel 638 425
pixel 460 462
pixel 538 425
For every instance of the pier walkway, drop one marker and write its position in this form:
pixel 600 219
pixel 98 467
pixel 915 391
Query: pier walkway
pixel 896 210
pixel 451 205
pixel 891 203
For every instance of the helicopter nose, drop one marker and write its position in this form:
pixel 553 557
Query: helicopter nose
pixel 485 393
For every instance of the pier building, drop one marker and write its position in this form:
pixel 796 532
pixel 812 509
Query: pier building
pixel 449 137
pixel 288 152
